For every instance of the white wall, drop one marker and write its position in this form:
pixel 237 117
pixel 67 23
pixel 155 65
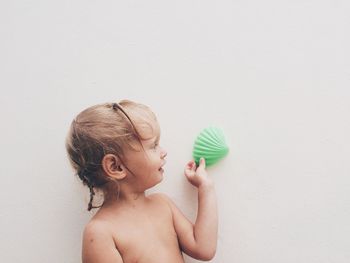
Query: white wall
pixel 274 75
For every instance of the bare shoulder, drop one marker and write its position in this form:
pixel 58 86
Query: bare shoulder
pixel 96 230
pixel 165 200
pixel 98 243
pixel 95 226
pixel 160 197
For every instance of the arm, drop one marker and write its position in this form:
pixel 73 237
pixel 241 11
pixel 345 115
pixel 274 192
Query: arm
pixel 198 240
pixel 206 226
pixel 98 245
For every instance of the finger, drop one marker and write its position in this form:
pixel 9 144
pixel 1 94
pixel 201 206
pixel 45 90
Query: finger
pixel 202 162
pixel 188 166
pixel 189 175
pixel 190 163
pixel 188 170
pixel 194 166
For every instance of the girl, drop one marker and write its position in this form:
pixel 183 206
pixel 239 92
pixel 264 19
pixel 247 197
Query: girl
pixel 114 148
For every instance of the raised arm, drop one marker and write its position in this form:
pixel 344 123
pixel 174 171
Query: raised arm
pixel 98 245
pixel 197 240
pixel 206 227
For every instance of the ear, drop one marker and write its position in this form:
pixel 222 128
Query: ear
pixel 113 167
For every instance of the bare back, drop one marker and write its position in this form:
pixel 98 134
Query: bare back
pixel 143 234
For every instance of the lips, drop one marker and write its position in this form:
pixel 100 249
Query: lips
pixel 161 168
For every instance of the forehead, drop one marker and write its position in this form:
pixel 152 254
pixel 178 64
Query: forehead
pixel 146 124
pixel 148 130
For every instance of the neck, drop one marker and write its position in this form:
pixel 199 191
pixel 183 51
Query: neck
pixel 130 198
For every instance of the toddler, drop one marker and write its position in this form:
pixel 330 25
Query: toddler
pixel 114 148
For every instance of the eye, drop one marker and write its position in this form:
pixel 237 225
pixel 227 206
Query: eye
pixel 155 145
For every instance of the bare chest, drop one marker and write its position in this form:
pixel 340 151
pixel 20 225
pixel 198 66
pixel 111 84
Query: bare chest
pixel 143 237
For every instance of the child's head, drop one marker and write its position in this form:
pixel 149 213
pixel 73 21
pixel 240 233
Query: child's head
pixel 114 147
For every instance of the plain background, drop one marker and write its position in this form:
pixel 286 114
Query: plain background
pixel 274 75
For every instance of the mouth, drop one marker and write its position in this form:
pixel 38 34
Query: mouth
pixel 161 168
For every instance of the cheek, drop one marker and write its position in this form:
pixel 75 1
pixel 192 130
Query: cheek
pixel 155 159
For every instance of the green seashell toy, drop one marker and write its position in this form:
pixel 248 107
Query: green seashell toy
pixel 211 145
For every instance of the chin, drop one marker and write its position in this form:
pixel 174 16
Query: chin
pixel 160 179
pixel 157 180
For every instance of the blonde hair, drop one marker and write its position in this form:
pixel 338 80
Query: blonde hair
pixel 99 130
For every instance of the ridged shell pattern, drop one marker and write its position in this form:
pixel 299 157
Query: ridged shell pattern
pixel 211 145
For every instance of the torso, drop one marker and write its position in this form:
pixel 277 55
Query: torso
pixel 144 234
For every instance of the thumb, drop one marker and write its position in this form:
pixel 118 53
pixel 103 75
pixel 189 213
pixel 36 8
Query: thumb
pixel 202 162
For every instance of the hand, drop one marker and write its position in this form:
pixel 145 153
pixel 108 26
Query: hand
pixel 197 176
